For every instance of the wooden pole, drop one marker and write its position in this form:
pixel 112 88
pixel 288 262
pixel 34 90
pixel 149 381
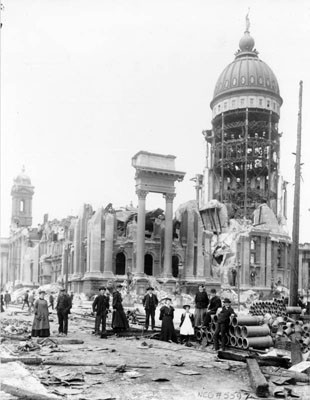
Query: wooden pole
pixel 296 211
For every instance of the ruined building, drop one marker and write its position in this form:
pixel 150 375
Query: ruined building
pixel 244 195
pixel 233 233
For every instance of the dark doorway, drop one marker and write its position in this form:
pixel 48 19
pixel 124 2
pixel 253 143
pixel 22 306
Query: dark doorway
pixel 175 266
pixel 148 264
pixel 120 265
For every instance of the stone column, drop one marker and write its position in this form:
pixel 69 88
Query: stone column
pixel 285 262
pixel 94 243
pixel 108 245
pixel 207 257
pixel 262 258
pixel 189 258
pixel 141 232
pixel 168 235
pixel 200 257
pixel 268 261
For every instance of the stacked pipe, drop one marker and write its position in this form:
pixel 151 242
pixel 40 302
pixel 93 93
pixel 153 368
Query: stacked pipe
pixel 275 307
pixel 244 332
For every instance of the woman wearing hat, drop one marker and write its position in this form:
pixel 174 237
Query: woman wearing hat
pixel 222 325
pixel 41 325
pixel 119 319
pixel 166 316
pixel 187 324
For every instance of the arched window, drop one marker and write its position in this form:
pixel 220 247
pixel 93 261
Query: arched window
pixel 175 266
pixel 120 264
pixel 148 264
pixel 22 206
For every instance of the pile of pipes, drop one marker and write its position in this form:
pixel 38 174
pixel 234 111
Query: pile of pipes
pixel 288 330
pixel 274 307
pixel 244 332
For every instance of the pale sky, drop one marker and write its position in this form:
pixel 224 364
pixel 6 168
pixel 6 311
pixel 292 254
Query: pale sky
pixel 85 85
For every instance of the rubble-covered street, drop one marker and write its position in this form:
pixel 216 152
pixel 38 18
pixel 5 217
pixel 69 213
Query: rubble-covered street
pixel 132 366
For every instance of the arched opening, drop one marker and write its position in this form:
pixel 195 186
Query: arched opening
pixel 120 264
pixel 148 264
pixel 175 266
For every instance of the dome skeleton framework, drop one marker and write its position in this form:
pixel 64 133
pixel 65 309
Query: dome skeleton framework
pixel 244 144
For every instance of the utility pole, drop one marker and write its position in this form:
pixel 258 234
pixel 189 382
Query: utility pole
pixel 296 211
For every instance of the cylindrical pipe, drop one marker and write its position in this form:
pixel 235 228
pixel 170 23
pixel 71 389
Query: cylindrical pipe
pixel 209 337
pixel 306 327
pixel 246 320
pixel 233 341
pixel 261 342
pixel 293 310
pixel 239 342
pixel 232 330
pixel 214 318
pixel 238 331
pixel 199 334
pixel 250 331
pixel 213 327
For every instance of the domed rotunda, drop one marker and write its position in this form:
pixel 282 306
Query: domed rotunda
pixel 244 144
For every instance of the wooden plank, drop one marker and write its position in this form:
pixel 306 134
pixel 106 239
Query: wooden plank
pixel 257 379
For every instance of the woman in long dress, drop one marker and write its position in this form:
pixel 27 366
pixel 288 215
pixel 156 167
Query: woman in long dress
pixel 119 319
pixel 167 328
pixel 41 325
pixel 187 324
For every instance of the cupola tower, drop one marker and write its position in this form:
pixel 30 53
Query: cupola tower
pixel 22 192
pixel 244 143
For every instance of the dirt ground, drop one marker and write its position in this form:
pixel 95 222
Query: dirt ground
pixel 175 371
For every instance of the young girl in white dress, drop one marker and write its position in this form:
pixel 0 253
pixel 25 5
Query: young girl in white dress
pixel 187 324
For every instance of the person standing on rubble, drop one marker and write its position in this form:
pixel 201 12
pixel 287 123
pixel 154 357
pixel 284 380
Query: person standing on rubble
pixel 51 300
pixel 119 319
pixel 201 305
pixel 150 302
pixel 7 299
pixel 41 325
pixel 26 299
pixel 166 315
pixel 63 308
pixel 101 308
pixel 222 324
pixel 31 301
pixel 214 305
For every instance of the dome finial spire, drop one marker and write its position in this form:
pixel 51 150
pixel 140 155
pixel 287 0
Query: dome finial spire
pixel 247 21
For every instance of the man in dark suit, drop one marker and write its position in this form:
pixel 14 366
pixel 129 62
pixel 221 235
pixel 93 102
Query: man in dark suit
pixel 214 304
pixel 150 302
pixel 101 309
pixel 63 308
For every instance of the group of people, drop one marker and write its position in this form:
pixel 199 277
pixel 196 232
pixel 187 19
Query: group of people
pixel 204 309
pixel 101 307
pixel 41 325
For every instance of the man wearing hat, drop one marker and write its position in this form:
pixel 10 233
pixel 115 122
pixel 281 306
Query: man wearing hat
pixel 63 308
pixel 101 308
pixel 222 325
pixel 150 302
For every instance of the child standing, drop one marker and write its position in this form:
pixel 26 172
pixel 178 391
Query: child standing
pixel 187 324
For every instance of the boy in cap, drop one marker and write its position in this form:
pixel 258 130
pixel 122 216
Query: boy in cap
pixel 150 302
pixel 222 325
pixel 100 308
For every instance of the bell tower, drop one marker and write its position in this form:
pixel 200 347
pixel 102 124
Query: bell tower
pixel 22 192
